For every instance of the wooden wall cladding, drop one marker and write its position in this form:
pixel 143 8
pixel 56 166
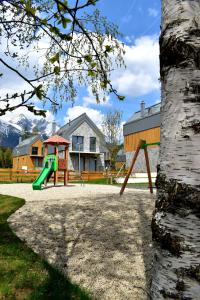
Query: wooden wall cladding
pixel 150 136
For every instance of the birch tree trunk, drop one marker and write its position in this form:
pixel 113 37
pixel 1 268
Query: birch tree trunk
pixel 176 221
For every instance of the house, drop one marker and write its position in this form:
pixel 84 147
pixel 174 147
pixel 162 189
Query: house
pixel 28 154
pixel 87 151
pixel 145 125
pixel 120 160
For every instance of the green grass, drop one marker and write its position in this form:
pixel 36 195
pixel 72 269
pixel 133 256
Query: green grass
pixel 23 274
pixel 141 185
pixel 95 181
pixel 106 181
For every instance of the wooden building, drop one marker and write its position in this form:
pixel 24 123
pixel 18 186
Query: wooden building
pixel 28 154
pixel 145 125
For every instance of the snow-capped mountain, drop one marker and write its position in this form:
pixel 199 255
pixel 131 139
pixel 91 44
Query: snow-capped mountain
pixel 9 134
pixel 11 130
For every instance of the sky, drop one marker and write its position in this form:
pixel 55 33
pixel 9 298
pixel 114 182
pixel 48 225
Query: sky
pixel 139 22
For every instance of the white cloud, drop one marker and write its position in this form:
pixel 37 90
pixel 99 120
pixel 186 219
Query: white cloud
pixel 152 12
pixel 91 100
pixel 142 68
pixel 94 114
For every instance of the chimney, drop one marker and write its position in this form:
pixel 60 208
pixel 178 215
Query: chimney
pixel 53 128
pixel 142 106
pixel 20 139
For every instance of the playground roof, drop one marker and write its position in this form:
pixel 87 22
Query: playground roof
pixel 56 140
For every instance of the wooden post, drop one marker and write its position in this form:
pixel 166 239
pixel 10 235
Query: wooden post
pixel 65 171
pixel 141 142
pixel 148 169
pixel 56 172
pixel 45 154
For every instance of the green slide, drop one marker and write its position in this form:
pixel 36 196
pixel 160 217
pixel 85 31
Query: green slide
pixel 49 167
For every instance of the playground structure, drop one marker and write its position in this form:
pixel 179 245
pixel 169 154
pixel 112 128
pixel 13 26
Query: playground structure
pixel 52 163
pixel 142 145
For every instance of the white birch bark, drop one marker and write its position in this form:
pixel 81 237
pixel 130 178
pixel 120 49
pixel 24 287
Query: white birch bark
pixel 176 222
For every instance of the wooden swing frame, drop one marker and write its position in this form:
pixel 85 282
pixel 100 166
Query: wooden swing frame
pixel 142 145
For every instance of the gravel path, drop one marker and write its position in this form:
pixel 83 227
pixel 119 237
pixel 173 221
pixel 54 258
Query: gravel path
pixel 99 240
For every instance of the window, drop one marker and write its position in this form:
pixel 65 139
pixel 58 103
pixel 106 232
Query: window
pixel 77 143
pixel 38 162
pixel 92 144
pixel 34 150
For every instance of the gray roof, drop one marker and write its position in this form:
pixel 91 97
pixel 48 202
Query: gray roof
pixel 23 148
pixel 138 123
pixel 71 126
pixel 121 156
pixel 154 109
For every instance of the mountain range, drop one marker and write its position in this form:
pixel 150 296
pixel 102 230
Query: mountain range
pixel 11 130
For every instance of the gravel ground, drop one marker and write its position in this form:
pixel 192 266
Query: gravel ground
pixel 100 240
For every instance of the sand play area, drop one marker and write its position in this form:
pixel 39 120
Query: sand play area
pixel 100 240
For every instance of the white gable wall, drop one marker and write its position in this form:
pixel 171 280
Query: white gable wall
pixel 86 131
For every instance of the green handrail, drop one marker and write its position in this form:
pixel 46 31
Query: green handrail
pixel 151 144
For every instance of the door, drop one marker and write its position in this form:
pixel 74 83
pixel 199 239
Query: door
pixel 93 164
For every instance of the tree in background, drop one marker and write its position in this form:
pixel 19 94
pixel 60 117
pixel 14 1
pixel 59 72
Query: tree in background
pixel 176 221
pixel 112 130
pixel 76 44
pixel 5 158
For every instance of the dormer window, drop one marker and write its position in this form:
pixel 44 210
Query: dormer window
pixel 34 151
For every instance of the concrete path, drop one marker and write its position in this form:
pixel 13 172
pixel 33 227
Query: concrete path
pixel 100 240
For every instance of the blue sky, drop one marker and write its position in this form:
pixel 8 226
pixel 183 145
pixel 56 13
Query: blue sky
pixel 139 22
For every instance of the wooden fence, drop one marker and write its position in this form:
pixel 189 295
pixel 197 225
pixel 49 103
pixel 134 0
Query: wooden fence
pixel 13 175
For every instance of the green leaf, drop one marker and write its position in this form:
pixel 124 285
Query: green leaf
pixel 79 61
pixel 31 11
pixel 108 48
pixel 88 58
pixel 56 70
pixel 65 21
pixel 39 91
pixel 93 2
pixel 55 58
pixel 63 7
pixel 55 30
pixel 44 21
pixel 104 84
pixel 91 73
pixel 67 37
pixel 121 97
pixel 36 111
pixel 93 64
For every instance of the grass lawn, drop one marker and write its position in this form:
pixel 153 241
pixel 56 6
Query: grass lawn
pixel 105 181
pixel 23 274
pixel 95 181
